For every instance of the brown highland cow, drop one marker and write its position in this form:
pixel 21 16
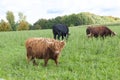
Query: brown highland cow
pixel 99 31
pixel 43 48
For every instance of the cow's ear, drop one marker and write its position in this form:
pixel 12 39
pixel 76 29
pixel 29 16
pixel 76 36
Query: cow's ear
pixel 62 44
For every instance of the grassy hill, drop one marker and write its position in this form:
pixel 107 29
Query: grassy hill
pixel 83 18
pixel 81 59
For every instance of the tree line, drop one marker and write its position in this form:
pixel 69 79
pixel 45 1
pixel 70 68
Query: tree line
pixel 83 18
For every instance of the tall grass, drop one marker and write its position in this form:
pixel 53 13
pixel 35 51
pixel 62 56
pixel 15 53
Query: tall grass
pixel 81 59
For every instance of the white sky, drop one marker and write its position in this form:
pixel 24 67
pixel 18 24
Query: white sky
pixel 37 9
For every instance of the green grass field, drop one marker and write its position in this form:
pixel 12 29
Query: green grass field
pixel 81 59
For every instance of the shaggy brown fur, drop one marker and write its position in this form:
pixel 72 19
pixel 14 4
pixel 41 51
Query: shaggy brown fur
pixel 101 31
pixel 43 48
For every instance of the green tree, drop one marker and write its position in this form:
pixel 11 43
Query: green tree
pixel 36 26
pixel 42 23
pixel 86 18
pixel 65 20
pixel 11 20
pixel 58 20
pixel 21 16
pixel 22 24
pixel 4 26
pixel 74 20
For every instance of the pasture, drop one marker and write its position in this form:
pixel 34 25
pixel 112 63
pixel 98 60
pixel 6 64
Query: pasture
pixel 81 59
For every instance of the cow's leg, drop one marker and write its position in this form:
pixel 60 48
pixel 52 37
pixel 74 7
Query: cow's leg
pixel 46 61
pixel 54 36
pixel 29 54
pixel 29 58
pixel 34 62
pixel 66 37
pixel 62 37
pixel 58 36
pixel 56 62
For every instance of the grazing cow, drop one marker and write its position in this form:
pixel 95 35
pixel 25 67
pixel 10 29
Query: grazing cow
pixel 43 48
pixel 60 30
pixel 97 31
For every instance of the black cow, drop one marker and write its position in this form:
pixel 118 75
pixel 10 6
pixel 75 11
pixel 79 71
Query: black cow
pixel 60 30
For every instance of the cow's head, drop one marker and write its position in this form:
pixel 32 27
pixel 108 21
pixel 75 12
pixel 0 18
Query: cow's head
pixel 113 34
pixel 56 46
pixel 90 35
pixel 67 35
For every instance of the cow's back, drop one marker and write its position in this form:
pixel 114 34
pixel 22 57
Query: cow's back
pixel 60 28
pixel 38 45
pixel 99 31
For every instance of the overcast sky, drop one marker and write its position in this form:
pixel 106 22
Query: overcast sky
pixel 37 9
